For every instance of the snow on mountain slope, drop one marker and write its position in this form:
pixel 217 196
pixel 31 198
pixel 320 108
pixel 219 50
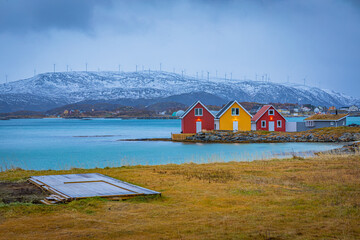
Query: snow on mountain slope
pixel 70 87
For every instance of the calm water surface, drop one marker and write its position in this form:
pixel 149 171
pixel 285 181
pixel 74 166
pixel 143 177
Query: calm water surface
pixel 64 143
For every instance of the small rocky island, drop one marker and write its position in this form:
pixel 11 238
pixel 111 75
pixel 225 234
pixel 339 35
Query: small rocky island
pixel 339 134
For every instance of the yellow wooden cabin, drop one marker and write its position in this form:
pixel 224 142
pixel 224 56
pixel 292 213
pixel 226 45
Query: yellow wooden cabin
pixel 233 117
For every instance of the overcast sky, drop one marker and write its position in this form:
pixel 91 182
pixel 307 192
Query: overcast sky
pixel 318 40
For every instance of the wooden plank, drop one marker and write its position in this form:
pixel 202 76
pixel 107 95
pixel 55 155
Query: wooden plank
pixel 50 189
pixel 45 202
pixel 181 136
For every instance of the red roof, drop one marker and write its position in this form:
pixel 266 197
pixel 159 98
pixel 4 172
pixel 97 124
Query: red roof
pixel 260 113
pixel 192 106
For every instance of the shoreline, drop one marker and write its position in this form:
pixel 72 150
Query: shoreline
pixel 214 142
pixel 322 135
pixel 330 134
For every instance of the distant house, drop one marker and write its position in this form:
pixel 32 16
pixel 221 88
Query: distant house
pixel 197 118
pixel 305 109
pixel 233 117
pixel 179 113
pixel 321 121
pixel 268 119
pixel 353 108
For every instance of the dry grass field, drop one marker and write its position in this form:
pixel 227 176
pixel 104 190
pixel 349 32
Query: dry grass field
pixel 317 198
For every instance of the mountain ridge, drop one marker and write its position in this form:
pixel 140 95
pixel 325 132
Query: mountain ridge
pixel 50 90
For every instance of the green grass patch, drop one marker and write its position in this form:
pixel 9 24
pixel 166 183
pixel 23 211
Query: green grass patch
pixel 246 192
pixel 146 199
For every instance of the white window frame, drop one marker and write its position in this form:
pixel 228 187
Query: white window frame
pixel 236 110
pixel 277 123
pixel 273 112
pixel 309 123
pixel 197 112
pixel 263 125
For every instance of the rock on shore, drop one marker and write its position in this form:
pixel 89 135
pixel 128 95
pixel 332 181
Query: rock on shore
pixel 254 136
pixel 352 148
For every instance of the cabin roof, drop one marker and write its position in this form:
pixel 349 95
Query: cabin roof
pixel 192 106
pixel 326 117
pixel 262 111
pixel 227 106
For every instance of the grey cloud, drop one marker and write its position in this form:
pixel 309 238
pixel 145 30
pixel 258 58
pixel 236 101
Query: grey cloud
pixel 23 16
pixel 317 39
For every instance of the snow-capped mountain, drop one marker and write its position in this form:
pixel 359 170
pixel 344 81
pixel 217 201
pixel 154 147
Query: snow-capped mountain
pixel 49 90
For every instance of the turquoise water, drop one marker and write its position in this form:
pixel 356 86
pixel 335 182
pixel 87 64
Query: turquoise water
pixel 65 143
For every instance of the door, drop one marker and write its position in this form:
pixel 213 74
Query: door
pixel 198 127
pixel 216 124
pixel 271 126
pixel 235 126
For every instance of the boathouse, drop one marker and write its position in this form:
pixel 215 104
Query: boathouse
pixel 321 121
pixel 233 117
pixel 268 119
pixel 197 118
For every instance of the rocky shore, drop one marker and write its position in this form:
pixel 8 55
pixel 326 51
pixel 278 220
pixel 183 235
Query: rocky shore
pixel 351 148
pixel 321 135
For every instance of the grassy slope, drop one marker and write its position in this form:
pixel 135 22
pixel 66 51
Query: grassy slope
pixel 278 199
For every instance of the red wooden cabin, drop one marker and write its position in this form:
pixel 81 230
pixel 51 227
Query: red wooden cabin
pixel 268 119
pixel 197 118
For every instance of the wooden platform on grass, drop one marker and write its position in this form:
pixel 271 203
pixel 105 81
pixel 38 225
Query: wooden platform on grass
pixel 181 136
pixel 68 187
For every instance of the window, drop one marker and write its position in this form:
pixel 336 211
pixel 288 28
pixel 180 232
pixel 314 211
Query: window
pixel 263 124
pixel 309 123
pixel 198 112
pixel 271 112
pixel 332 123
pixel 279 123
pixel 235 111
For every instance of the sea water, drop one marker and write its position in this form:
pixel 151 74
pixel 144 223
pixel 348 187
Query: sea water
pixel 66 143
